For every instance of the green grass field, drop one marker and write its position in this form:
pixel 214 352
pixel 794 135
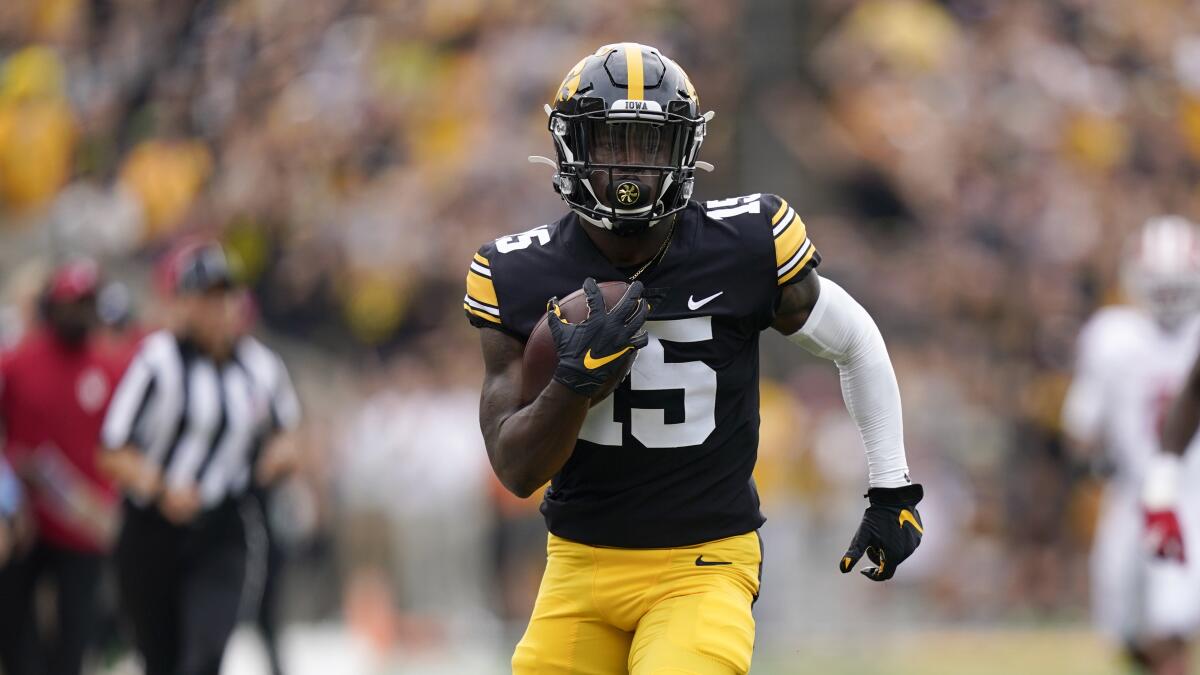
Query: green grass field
pixel 1049 650
pixel 1053 651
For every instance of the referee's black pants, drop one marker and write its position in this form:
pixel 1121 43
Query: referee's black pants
pixel 181 587
pixel 75 576
pixel 267 616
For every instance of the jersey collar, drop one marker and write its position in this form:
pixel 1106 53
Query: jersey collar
pixel 596 264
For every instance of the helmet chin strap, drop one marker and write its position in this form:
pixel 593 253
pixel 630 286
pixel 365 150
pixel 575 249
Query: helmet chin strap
pixel 621 228
pixel 624 228
pixel 632 228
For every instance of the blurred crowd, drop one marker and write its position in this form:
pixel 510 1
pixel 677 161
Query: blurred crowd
pixel 968 169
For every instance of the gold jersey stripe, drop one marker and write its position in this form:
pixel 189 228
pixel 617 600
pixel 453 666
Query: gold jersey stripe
pixel 482 315
pixel 789 241
pixel 635 72
pixel 481 260
pixel 799 266
pixel 481 289
pixel 779 214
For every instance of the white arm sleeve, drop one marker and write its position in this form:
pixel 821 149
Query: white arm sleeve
pixel 1084 407
pixel 839 329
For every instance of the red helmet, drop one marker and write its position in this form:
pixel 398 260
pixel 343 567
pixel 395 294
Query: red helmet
pixel 73 281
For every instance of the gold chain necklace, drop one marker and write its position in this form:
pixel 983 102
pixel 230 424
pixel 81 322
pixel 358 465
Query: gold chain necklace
pixel 662 252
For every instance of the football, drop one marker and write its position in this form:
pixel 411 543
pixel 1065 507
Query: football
pixel 540 356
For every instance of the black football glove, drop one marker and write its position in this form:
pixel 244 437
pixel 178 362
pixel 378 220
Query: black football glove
pixel 891 530
pixel 593 350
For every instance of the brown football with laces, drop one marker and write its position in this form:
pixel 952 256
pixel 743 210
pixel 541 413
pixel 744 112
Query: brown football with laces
pixel 541 358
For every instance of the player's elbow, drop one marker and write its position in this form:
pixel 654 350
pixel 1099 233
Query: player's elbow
pixel 523 490
pixel 520 481
pixel 517 478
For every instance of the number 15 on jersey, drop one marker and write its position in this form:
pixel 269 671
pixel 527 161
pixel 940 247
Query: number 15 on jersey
pixel 652 372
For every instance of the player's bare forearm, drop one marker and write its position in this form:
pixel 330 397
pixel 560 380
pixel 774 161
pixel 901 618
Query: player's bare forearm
pixel 1184 416
pixel 279 459
pixel 130 471
pixel 796 303
pixel 526 445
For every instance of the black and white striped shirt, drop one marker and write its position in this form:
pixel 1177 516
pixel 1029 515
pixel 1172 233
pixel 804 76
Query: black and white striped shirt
pixel 201 422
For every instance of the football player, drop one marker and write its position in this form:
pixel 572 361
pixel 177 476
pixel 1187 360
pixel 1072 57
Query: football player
pixel 1131 361
pixel 653 554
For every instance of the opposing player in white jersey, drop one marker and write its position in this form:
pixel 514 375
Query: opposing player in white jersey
pixel 1131 362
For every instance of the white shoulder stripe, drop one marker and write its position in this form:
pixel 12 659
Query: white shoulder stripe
pixel 787 219
pixel 481 306
pixel 795 259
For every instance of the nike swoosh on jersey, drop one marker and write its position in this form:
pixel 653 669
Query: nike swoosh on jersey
pixel 592 363
pixel 906 516
pixel 697 304
pixel 701 562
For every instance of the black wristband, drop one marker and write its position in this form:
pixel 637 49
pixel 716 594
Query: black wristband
pixel 908 495
pixel 575 381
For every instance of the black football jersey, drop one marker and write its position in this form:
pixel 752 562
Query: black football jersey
pixel 667 459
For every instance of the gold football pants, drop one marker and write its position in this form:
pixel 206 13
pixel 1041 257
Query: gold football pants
pixel 602 611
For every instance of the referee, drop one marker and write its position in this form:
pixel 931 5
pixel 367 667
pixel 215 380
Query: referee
pixel 182 438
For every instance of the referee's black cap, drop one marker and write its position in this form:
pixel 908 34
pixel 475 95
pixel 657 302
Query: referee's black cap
pixel 199 268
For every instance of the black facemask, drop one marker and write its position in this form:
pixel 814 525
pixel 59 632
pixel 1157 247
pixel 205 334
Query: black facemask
pixel 629 162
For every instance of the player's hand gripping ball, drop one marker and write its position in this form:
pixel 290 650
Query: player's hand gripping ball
pixel 595 334
pixel 891 530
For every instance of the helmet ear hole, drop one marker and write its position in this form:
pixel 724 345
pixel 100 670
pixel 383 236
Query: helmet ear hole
pixel 591 104
pixel 564 184
pixel 680 107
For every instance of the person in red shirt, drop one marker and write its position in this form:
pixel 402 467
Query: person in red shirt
pixel 54 390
